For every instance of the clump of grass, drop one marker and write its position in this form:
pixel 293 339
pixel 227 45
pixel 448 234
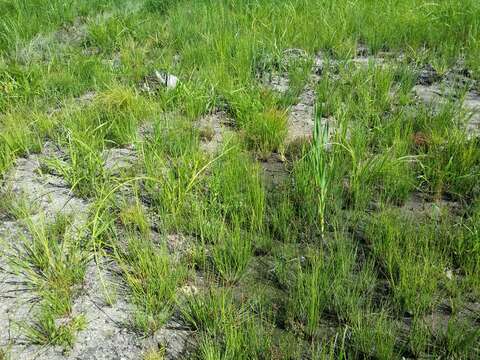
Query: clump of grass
pixel 326 282
pixel 84 168
pixel 371 138
pixel 408 257
pixel 110 119
pixel 450 166
pixel 266 132
pixel 299 70
pixel 118 112
pixel 53 259
pixel 53 263
pixel 322 171
pixel 22 134
pixel 417 285
pixel 203 311
pixel 153 279
pixel 154 354
pixel 171 158
pixel 14 206
pixel 18 135
pixel 134 219
pixel 317 191
pixel 461 245
pixel 236 189
pixel 419 337
pixel 311 293
pixel 374 335
pixel 283 224
pixel 231 254
pixel 6 158
pixel 334 348
pixel 458 340
pixel 227 330
pixel 117 30
pixel 48 331
pixel 160 6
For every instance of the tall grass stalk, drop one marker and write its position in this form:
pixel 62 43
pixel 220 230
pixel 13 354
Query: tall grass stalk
pixel 322 166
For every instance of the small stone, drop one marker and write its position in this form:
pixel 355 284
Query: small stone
pixel 318 64
pixel 168 80
pixel 278 83
pixel 449 274
pixel 362 50
pixel 189 290
pixel 428 75
pixel 158 80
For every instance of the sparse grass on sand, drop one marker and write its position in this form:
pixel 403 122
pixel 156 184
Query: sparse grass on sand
pixel 365 241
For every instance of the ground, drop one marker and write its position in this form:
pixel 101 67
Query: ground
pixel 239 179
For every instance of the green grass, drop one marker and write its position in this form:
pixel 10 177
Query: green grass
pixel 231 254
pixel 46 331
pixel 228 331
pixel 53 263
pixel 370 237
pixel 152 278
pixel 266 132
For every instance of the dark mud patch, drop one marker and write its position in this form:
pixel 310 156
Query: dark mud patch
pixel 420 205
pixel 274 171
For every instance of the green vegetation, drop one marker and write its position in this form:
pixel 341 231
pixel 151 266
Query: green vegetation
pixel 365 244
pixel 152 279
pixel 53 263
